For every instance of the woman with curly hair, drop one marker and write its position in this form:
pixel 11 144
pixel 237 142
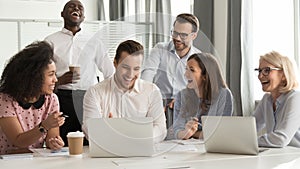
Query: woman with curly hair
pixel 29 115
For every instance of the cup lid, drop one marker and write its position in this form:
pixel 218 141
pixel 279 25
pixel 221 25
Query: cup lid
pixel 73 65
pixel 75 134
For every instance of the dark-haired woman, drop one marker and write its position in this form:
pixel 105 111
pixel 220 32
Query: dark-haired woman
pixel 29 110
pixel 206 94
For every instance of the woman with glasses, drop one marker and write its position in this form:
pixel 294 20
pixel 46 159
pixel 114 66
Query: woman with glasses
pixel 206 94
pixel 278 113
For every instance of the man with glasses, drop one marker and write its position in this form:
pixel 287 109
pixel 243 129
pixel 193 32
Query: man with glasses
pixel 165 66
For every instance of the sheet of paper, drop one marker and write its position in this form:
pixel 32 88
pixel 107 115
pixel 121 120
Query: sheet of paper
pixel 16 156
pixel 51 153
pixel 191 141
pixel 174 147
pixel 158 157
pixel 20 153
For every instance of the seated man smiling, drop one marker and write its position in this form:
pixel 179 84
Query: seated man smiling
pixel 125 94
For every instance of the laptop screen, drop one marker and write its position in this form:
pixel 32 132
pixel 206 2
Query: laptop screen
pixel 120 137
pixel 230 134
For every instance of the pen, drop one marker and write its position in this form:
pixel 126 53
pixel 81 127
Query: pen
pixel 63 115
pixel 199 124
pixel 58 151
pixel 178 167
pixel 115 163
pixel 196 119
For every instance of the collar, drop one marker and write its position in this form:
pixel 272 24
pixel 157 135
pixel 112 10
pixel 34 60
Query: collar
pixel 68 32
pixel 171 47
pixel 136 87
pixel 281 99
pixel 173 50
pixel 38 104
pixel 283 96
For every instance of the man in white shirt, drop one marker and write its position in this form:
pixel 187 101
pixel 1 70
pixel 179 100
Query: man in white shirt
pixel 165 66
pixel 73 46
pixel 125 94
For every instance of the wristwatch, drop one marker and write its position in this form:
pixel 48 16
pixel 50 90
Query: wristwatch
pixel 41 128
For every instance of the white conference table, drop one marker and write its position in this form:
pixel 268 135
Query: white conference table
pixel 277 158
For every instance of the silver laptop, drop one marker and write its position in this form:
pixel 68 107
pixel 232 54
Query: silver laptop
pixel 120 137
pixel 230 134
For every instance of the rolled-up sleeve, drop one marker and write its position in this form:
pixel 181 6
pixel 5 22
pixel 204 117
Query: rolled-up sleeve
pixel 151 64
pixel 91 108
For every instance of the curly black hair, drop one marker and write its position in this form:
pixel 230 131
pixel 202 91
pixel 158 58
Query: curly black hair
pixel 23 76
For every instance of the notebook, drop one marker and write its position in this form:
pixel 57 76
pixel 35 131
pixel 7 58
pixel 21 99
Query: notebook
pixel 230 134
pixel 120 137
pixel 23 153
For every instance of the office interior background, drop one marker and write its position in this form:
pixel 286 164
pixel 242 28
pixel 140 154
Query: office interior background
pixel 237 32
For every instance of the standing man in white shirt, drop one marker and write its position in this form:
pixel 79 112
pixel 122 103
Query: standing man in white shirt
pixel 73 46
pixel 165 66
pixel 125 94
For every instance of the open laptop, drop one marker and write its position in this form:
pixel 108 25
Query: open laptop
pixel 230 134
pixel 120 137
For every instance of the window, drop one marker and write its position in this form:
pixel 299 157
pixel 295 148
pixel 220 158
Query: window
pixel 180 6
pixel 273 29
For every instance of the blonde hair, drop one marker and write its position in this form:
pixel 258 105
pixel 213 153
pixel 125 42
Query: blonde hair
pixel 289 69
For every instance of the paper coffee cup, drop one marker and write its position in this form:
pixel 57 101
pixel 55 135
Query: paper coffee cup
pixel 74 68
pixel 75 141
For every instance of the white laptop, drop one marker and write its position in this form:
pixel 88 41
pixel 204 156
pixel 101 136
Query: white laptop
pixel 230 134
pixel 120 137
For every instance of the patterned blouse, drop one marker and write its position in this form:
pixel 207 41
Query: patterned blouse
pixel 28 118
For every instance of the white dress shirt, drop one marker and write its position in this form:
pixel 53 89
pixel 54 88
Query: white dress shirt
pixel 144 100
pixel 82 49
pixel 166 69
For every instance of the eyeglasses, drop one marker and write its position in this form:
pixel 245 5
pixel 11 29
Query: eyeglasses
pixel 181 35
pixel 266 70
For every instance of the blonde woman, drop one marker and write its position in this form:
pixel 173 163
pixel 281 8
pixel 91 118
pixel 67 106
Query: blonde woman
pixel 278 112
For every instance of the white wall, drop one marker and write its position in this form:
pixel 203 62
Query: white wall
pixel 220 29
pixel 41 9
pixel 13 10
pixel 50 9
